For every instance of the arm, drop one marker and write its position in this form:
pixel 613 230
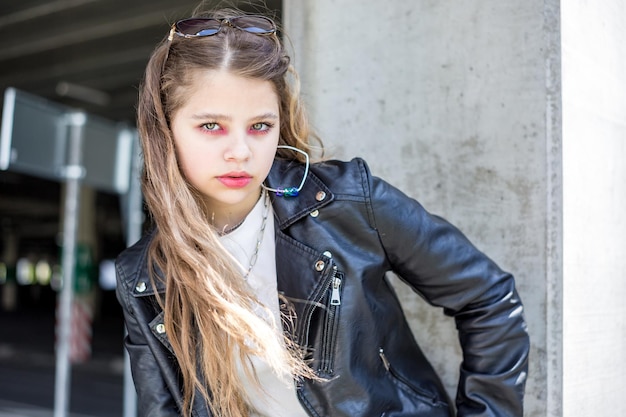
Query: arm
pixel 438 261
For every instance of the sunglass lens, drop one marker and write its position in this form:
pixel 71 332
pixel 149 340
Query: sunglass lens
pixel 254 24
pixel 199 27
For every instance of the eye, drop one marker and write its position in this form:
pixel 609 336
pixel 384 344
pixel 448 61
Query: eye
pixel 260 127
pixel 211 126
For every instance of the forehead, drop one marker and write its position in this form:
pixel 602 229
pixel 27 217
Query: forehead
pixel 222 88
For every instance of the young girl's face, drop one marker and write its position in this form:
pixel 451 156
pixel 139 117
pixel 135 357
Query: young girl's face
pixel 226 135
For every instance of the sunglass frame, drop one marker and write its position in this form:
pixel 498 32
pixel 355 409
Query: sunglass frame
pixel 230 21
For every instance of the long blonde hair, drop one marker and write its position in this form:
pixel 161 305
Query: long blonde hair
pixel 209 316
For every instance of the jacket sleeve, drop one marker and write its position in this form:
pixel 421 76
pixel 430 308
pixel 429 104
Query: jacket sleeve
pixel 154 399
pixel 439 262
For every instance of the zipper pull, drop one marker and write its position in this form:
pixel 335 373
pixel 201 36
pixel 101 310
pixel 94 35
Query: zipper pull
pixel 335 297
pixel 383 357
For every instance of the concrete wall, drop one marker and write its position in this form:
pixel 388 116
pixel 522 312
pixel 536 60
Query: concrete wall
pixel 594 189
pixel 458 104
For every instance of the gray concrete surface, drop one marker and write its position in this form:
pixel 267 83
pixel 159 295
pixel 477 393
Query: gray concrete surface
pixel 508 119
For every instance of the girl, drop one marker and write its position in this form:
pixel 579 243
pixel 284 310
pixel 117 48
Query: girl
pixel 261 290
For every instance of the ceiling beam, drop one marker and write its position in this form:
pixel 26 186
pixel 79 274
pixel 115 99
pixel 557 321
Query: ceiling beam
pixel 79 66
pixel 41 10
pixel 70 36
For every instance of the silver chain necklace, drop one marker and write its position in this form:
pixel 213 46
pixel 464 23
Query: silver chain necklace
pixel 259 239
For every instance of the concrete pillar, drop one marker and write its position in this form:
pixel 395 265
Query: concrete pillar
pixel 468 108
pixel 86 228
pixel 88 239
pixel 85 298
pixel 594 191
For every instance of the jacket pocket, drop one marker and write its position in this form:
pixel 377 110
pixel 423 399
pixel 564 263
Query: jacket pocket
pixel 418 398
pixel 330 323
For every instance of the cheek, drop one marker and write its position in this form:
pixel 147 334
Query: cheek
pixel 184 163
pixel 192 155
pixel 192 162
pixel 268 152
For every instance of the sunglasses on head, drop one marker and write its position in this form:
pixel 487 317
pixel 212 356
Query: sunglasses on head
pixel 207 26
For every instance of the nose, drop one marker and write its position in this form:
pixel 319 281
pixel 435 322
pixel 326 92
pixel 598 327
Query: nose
pixel 238 148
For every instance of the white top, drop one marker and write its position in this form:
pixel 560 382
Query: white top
pixel 278 396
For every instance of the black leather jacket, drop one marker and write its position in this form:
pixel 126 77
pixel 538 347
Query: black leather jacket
pixel 334 244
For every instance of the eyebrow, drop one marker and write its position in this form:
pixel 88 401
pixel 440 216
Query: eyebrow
pixel 217 116
pixel 268 115
pixel 214 116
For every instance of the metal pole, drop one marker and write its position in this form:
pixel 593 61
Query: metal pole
pixel 73 174
pixel 134 218
pixel 135 199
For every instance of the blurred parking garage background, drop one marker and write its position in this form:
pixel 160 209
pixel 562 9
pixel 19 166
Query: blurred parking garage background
pixel 89 55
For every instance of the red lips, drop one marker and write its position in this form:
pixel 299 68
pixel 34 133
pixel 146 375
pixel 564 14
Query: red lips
pixel 235 179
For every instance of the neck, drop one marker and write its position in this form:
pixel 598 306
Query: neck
pixel 230 217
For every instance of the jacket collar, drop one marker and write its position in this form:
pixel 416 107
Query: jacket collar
pixel 314 193
pixel 142 285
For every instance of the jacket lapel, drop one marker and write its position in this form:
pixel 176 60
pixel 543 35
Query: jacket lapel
pixel 290 209
pixel 303 273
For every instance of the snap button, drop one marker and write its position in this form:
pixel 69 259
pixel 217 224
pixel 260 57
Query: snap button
pixel 320 195
pixel 141 286
pixel 319 265
pixel 160 328
pixel 328 254
pixel 315 213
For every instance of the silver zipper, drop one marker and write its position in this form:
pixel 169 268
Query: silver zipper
pixel 335 297
pixel 420 392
